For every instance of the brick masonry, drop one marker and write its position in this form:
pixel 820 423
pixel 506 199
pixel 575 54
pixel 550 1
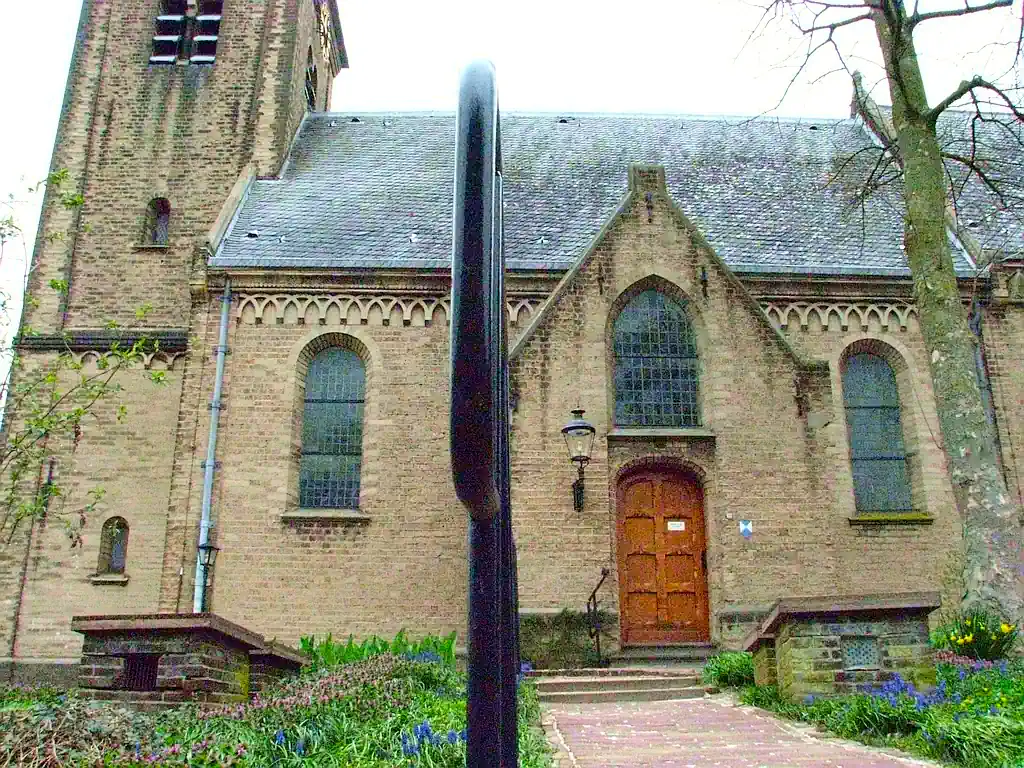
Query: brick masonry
pixel 773 451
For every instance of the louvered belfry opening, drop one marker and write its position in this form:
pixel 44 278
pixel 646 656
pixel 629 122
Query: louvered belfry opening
pixel 187 31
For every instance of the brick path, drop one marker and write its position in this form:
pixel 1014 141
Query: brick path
pixel 712 731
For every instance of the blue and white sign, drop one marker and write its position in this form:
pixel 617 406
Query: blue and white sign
pixel 746 528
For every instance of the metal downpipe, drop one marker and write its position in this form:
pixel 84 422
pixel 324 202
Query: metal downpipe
pixel 199 595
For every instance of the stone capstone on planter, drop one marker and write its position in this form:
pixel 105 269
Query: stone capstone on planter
pixel 161 660
pixel 838 645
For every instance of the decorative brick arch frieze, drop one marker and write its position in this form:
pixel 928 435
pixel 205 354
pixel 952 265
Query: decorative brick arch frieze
pixel 151 361
pixel 858 316
pixel 361 309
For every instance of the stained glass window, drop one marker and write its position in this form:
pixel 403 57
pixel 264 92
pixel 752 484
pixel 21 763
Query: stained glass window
pixel 881 482
pixel 113 546
pixel 655 364
pixel 332 431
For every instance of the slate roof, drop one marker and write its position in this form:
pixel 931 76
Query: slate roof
pixel 995 221
pixel 378 193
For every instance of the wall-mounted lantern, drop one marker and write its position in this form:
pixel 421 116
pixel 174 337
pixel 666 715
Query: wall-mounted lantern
pixel 207 557
pixel 579 439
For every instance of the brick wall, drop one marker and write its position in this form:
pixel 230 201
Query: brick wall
pixel 131 462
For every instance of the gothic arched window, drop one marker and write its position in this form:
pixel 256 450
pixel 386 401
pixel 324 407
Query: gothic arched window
pixel 332 430
pixel 655 364
pixel 158 222
pixel 881 482
pixel 113 546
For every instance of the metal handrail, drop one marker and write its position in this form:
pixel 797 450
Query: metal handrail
pixel 593 617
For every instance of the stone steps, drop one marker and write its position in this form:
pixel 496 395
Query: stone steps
pixel 616 685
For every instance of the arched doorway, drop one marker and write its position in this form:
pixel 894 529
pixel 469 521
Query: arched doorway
pixel 663 592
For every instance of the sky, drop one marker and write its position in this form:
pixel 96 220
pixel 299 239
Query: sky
pixel 563 56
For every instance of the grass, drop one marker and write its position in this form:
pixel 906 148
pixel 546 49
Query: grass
pixel 381 710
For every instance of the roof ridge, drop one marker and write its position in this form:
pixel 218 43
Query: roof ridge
pixel 710 117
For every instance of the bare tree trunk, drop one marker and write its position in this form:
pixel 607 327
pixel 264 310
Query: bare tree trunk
pixel 991 523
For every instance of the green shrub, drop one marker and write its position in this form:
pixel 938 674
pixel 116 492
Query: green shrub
pixel 327 653
pixel 730 669
pixel 562 641
pixel 976 634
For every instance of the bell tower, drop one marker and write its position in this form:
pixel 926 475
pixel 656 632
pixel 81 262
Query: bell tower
pixel 168 102
pixel 171 108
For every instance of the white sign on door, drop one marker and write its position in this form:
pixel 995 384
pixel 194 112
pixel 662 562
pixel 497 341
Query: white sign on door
pixel 677 525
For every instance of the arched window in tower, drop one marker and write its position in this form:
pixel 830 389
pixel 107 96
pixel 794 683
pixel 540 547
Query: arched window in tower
pixel 881 482
pixel 113 546
pixel 332 430
pixel 655 364
pixel 187 32
pixel 311 80
pixel 158 222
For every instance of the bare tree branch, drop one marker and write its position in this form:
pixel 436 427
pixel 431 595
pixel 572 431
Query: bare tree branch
pixel 976 168
pixel 917 18
pixel 967 86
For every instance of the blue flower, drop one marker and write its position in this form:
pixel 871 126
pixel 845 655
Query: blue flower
pixel 300 747
pixel 409 748
pixel 453 737
pixel 464 734
pixel 992 710
pixel 279 737
pixel 809 699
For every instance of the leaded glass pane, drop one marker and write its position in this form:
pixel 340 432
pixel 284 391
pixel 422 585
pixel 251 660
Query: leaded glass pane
pixel 881 482
pixel 332 431
pixel 655 364
pixel 114 545
pixel 868 382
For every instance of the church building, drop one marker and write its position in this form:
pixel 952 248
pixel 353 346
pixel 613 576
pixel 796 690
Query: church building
pixel 733 319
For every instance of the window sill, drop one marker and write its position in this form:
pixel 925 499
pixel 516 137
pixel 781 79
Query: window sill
pixel 150 247
pixel 339 515
pixel 119 579
pixel 892 518
pixel 674 433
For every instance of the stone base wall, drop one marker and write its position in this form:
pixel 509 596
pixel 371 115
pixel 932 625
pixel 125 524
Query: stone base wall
pixel 764 664
pixel 838 655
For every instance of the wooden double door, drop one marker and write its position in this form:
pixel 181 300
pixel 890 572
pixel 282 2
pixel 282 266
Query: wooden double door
pixel 663 594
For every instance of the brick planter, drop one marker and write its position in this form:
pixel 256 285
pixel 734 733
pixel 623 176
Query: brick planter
pixel 159 660
pixel 828 646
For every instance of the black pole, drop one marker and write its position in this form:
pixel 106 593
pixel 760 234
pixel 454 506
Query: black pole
pixel 479 423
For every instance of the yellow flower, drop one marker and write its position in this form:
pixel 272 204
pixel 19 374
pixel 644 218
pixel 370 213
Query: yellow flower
pixel 952 635
pixel 969 638
pixel 968 622
pixel 1006 628
pixel 960 641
